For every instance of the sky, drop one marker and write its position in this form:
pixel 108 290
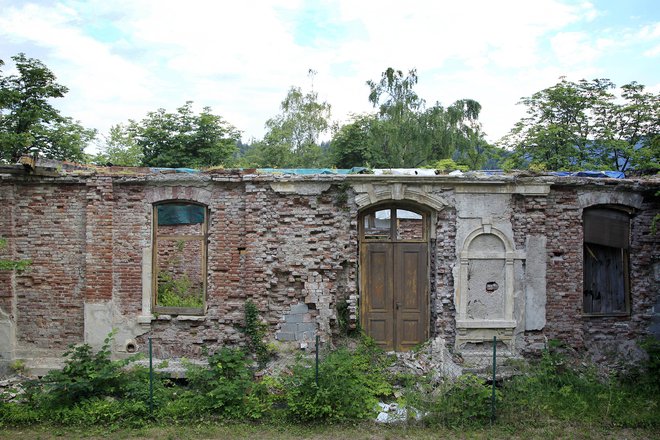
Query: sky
pixel 121 59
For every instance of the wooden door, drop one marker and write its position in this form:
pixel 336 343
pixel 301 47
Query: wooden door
pixel 410 294
pixel 394 280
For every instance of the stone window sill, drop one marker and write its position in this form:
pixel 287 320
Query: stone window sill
pixel 166 317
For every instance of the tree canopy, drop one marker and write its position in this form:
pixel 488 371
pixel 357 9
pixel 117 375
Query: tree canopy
pixel 29 124
pixel 584 126
pixel 404 133
pixel 292 138
pixel 570 125
pixel 119 148
pixel 182 139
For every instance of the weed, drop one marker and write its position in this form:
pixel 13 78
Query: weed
pixel 85 374
pixel 463 402
pixel 177 291
pixel 256 331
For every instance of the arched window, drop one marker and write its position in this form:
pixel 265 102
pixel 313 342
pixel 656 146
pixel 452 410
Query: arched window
pixel 394 224
pixel 179 259
pixel 606 254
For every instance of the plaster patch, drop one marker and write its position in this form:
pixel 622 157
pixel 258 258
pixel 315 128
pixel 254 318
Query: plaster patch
pixel 7 336
pixel 535 297
pixel 98 323
pixel 302 188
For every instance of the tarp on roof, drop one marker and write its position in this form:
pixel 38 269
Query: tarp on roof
pixel 307 171
pixel 405 171
pixel 586 173
pixel 176 170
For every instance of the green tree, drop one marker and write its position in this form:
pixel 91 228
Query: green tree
pixel 404 133
pixel 398 137
pixel 184 139
pixel 352 143
pixel 29 124
pixel 582 125
pixel 119 148
pixel 293 137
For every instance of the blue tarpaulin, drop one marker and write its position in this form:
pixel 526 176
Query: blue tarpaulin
pixel 305 171
pixel 586 173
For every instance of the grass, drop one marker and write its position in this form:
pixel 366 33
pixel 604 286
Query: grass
pixel 548 429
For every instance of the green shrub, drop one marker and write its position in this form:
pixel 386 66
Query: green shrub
pixel 651 367
pixel 85 374
pixel 104 412
pixel 15 414
pixel 225 387
pixel 348 387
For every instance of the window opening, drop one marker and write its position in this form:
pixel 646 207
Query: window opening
pixel 180 239
pixel 377 225
pixel 606 259
pixel 409 225
pixel 392 224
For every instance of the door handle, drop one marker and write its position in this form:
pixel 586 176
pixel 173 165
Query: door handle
pixel 398 304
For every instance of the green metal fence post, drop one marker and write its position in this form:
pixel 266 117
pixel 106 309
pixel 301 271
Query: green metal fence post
pixel 492 401
pixel 317 361
pixel 151 380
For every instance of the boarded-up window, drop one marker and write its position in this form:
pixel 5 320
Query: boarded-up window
pixel 179 258
pixel 606 243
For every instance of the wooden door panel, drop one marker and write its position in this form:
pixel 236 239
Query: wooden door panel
pixel 409 333
pixel 410 272
pixel 378 300
pixel 409 294
pixel 378 279
pixel 380 331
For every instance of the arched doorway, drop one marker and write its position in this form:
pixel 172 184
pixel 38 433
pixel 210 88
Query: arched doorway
pixel 394 275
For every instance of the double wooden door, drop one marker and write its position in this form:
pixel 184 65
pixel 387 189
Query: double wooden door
pixel 394 277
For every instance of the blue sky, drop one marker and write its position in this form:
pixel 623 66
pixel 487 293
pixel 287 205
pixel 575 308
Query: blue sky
pixel 122 59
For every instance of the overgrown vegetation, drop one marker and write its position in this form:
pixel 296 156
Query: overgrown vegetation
pixel 177 291
pixel 93 390
pixel 256 331
pixel 349 386
pixel 556 388
pixel 460 403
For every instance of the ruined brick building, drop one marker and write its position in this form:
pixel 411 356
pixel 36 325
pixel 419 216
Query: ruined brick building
pixel 409 258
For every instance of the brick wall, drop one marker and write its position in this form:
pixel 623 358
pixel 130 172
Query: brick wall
pixel 559 218
pixel 49 230
pixel 8 253
pixel 286 251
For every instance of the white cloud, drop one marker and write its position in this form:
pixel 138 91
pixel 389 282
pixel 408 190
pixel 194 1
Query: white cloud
pixel 573 48
pixel 240 58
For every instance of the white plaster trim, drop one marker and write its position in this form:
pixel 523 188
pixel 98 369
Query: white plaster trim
pixel 508 256
pixel 485 323
pixel 191 318
pixel 508 188
pixel 370 194
pixel 303 188
pixel 145 314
